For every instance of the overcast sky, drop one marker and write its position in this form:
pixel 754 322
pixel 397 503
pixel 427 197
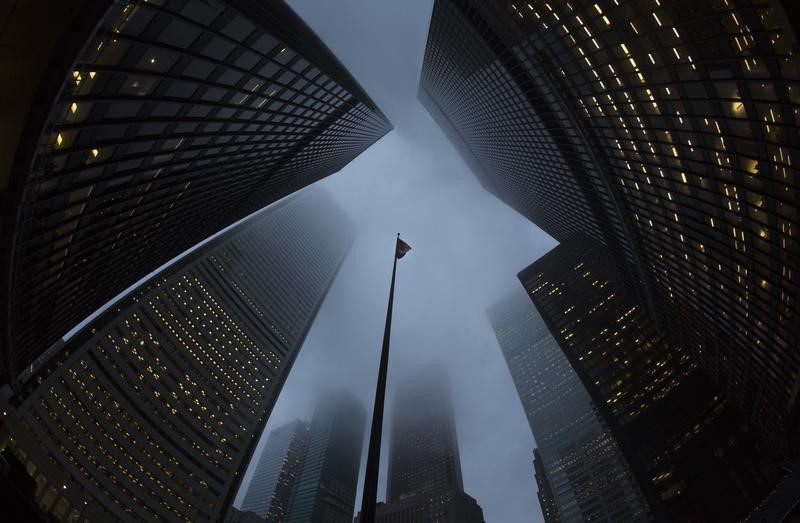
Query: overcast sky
pixel 467 249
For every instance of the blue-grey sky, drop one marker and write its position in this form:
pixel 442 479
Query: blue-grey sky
pixel 467 249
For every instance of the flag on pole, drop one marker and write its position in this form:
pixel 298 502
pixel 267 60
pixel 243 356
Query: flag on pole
pixel 370 493
pixel 401 249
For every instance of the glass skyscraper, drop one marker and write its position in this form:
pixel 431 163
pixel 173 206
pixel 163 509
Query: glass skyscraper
pixel 693 453
pixel 270 490
pixel 666 131
pixel 424 482
pixel 141 127
pixel 586 473
pixel 153 411
pixel 325 489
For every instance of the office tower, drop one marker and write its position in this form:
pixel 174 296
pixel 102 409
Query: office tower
pixel 667 132
pixel 325 490
pixel 141 128
pixel 579 459
pixel 424 481
pixel 154 409
pixel 693 454
pixel 545 493
pixel 423 450
pixel 235 515
pixel 273 481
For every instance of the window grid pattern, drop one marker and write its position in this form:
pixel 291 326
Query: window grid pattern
pixel 178 118
pixel 695 105
pixel 693 454
pixel 589 478
pixel 152 414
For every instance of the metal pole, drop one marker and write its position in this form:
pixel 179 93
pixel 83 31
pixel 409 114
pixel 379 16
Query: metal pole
pixel 370 492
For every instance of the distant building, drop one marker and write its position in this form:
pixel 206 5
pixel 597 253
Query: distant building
pixel 545 494
pixel 693 454
pixel 436 505
pixel 270 490
pixel 423 451
pixel 235 515
pixel 424 482
pixel 135 129
pixel 325 490
pixel 153 411
pixel 585 474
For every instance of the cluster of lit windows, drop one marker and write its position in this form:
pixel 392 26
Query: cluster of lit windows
pixel 172 111
pixel 636 376
pixel 152 411
pixel 694 107
pixel 590 477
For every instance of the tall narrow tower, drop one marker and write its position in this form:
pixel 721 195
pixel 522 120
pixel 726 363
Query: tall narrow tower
pixel 270 490
pixel 325 491
pixel 424 446
pixel 424 464
pixel 576 455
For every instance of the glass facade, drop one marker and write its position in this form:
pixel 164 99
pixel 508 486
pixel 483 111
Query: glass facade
pixel 586 473
pixel 670 137
pixel 691 450
pixel 423 446
pixel 424 474
pixel 273 481
pixel 325 489
pixel 545 494
pixel 153 411
pixel 177 118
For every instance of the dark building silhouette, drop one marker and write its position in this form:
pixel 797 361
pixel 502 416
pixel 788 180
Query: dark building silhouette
pixel 153 411
pixel 270 490
pixel 665 131
pixel 424 482
pixel 235 515
pixel 545 493
pixel 694 455
pixel 439 504
pixel 325 490
pixel 585 474
pixel 423 450
pixel 139 129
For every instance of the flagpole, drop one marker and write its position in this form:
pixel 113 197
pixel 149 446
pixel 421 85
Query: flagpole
pixel 370 493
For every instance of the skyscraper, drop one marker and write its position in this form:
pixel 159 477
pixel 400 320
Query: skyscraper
pixel 545 493
pixel 140 128
pixel 154 409
pixel 693 454
pixel 423 450
pixel 325 490
pixel 424 482
pixel 581 464
pixel 272 484
pixel 665 131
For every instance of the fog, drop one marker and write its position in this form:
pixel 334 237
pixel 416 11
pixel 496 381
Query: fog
pixel 467 247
